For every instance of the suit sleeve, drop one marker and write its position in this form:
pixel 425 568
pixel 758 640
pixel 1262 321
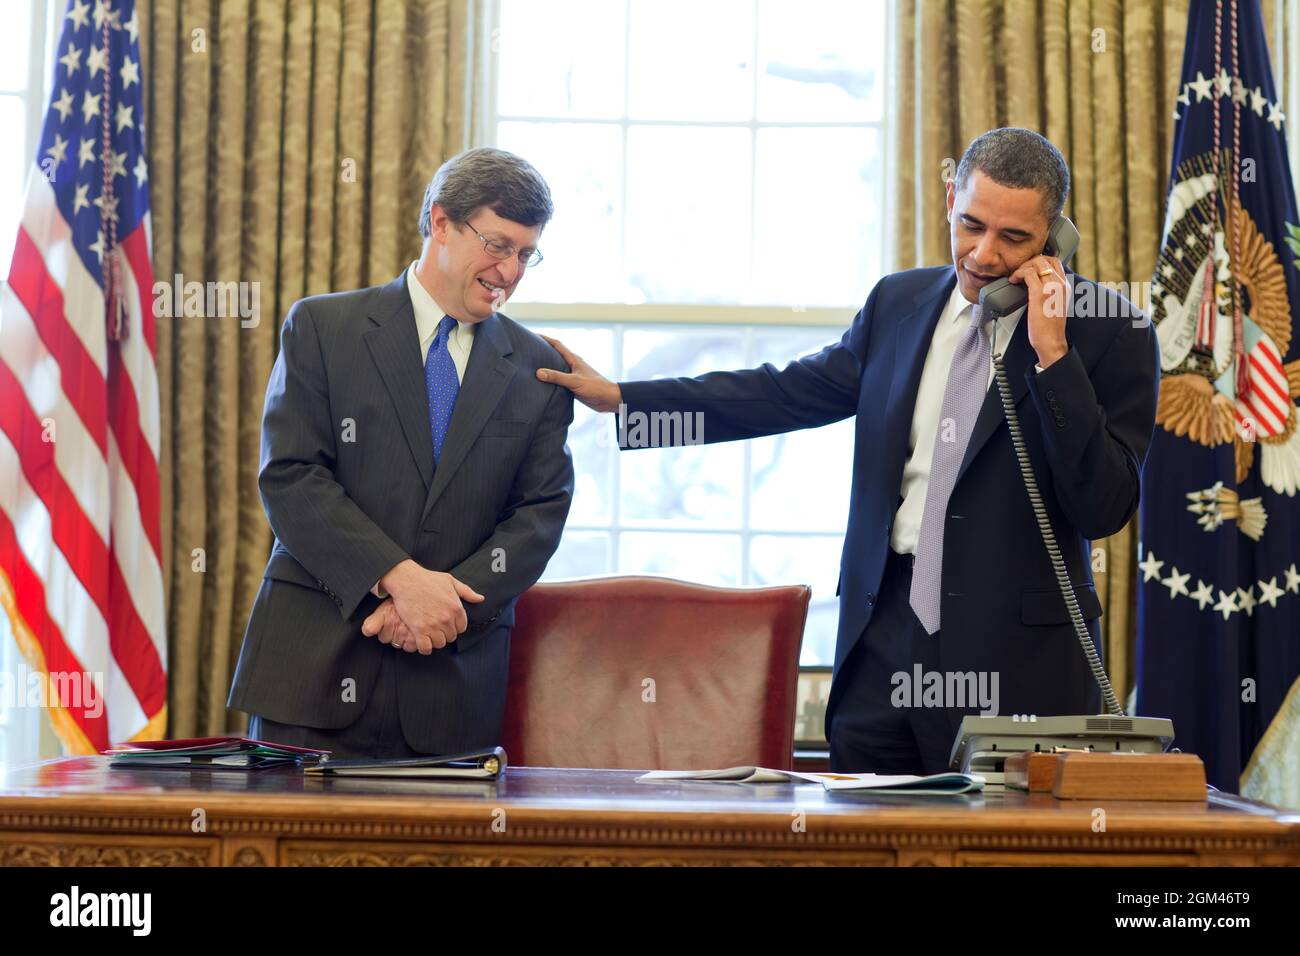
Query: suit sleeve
pixel 309 511
pixel 527 534
pixel 1097 426
pixel 809 392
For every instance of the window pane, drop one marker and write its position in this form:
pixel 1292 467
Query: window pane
pixel 690 60
pixel 800 480
pixel 820 631
pixel 684 486
pixel 808 73
pixel 672 351
pixel 583 164
pixel 688 213
pixel 13 176
pixel 814 561
pixel 703 558
pixel 561 58
pixel 696 485
pixel 591 436
pixel 582 554
pixel 15 43
pixel 817 220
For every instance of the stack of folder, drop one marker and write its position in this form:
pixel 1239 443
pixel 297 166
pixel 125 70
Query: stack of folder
pixel 216 753
pixel 243 753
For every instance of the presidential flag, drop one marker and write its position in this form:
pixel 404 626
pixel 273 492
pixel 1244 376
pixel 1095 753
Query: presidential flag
pixel 1219 582
pixel 80 566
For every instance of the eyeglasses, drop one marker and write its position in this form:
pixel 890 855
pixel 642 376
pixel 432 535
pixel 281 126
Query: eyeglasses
pixel 503 250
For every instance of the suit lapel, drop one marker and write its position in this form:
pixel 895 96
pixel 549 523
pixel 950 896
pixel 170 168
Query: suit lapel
pixel 486 376
pixel 1017 357
pixel 911 345
pixel 394 346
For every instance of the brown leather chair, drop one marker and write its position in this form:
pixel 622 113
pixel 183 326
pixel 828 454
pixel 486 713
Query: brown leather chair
pixel 723 662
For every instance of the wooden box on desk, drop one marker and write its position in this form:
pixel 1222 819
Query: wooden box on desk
pixel 1079 775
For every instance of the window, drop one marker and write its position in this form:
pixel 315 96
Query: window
pixel 24 78
pixel 727 152
pixel 718 178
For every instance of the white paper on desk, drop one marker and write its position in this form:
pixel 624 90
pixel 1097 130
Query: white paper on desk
pixel 733 775
pixel 938 783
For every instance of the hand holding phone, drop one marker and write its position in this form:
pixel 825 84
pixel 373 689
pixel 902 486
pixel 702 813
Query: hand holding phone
pixel 1004 296
pixel 1041 284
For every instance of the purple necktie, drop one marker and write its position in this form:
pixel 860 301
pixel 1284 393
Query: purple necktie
pixel 962 398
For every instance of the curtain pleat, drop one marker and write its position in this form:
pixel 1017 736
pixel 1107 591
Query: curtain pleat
pixel 189 359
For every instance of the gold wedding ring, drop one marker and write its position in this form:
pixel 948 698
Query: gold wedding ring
pixel 1044 272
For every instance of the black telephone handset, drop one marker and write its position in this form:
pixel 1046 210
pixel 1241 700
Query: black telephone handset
pixel 1003 297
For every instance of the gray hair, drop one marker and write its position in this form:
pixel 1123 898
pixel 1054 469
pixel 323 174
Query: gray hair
pixel 1020 159
pixel 503 182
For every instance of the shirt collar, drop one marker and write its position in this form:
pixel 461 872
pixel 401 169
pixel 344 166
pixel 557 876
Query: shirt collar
pixel 427 312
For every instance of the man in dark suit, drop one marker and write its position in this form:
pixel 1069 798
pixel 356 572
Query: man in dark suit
pixel 415 474
pixel 944 571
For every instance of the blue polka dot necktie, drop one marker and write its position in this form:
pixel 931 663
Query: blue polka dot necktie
pixel 441 384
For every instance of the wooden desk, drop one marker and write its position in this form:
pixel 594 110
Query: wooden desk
pixel 76 811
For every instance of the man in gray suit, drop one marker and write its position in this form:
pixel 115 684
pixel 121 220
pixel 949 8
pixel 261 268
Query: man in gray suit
pixel 415 474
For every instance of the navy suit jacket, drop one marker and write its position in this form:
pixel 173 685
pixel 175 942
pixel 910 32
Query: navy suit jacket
pixel 1087 421
pixel 350 489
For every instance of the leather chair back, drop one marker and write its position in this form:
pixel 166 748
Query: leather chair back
pixel 651 673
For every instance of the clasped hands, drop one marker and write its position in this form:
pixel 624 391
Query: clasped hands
pixel 423 610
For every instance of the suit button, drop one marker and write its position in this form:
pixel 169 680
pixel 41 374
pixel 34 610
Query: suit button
pixel 1051 395
pixel 871 599
pixel 1060 422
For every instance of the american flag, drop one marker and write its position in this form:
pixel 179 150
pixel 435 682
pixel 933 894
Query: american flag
pixel 80 550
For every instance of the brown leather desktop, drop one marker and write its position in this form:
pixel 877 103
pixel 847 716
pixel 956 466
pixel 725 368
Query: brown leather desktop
pixel 652 673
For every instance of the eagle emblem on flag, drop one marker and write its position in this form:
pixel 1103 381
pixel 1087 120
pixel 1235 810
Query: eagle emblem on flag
pixel 1192 306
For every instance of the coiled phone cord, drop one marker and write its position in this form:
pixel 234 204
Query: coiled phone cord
pixel 1049 538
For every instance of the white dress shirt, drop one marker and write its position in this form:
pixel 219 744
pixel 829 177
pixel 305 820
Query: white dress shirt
pixel 427 316
pixel 929 403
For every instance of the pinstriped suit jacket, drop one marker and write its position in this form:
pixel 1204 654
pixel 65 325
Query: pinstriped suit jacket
pixel 349 486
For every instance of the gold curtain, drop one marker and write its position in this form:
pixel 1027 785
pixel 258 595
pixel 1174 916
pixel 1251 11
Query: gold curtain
pixel 289 147
pixel 1096 77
